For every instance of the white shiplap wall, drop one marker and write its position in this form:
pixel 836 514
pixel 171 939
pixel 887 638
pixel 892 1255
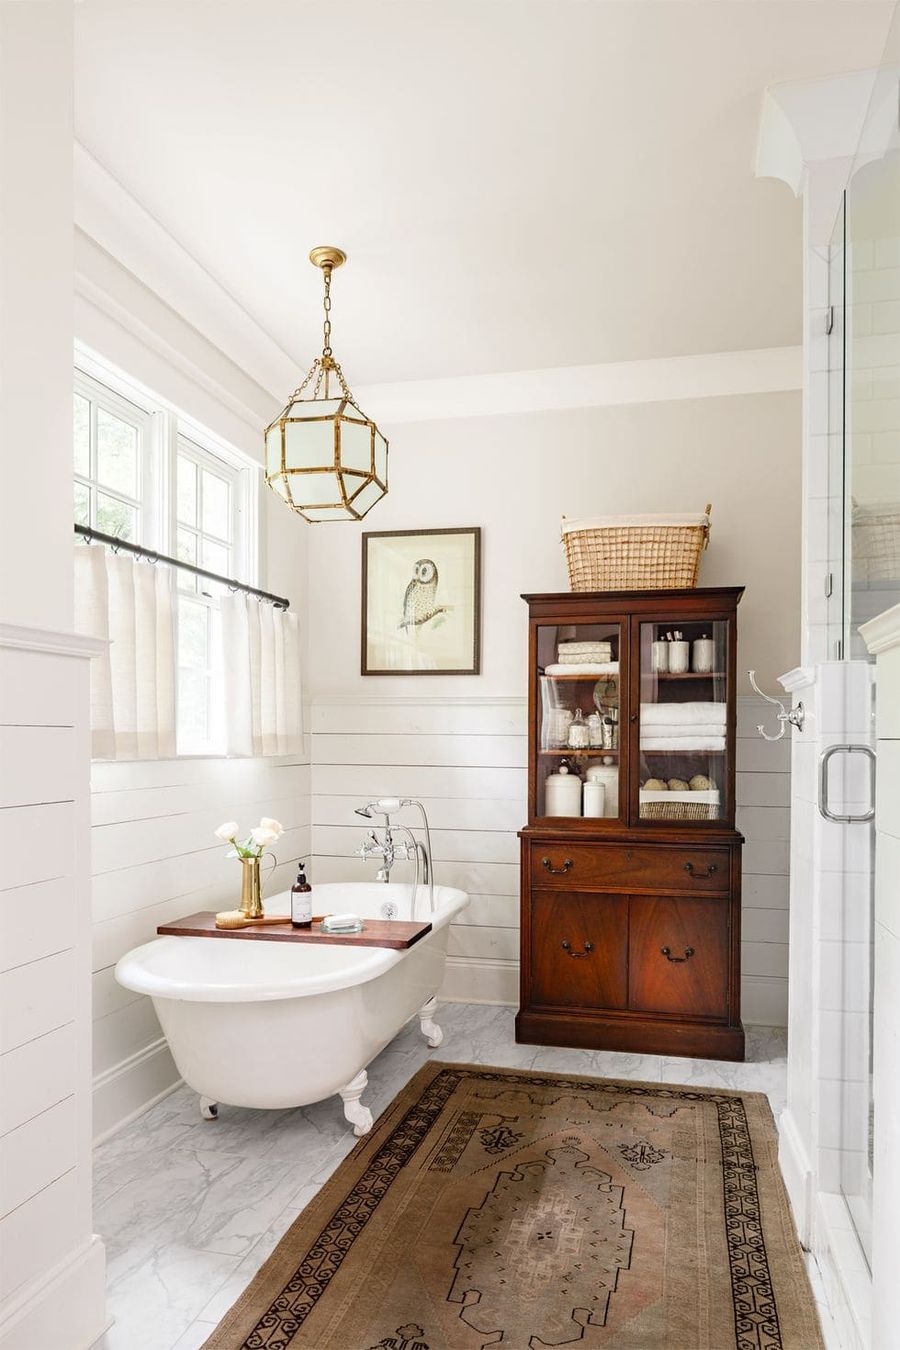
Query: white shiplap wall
pixel 465 758
pixel 45 1186
pixel 155 858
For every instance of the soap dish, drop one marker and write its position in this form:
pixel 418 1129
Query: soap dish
pixel 341 923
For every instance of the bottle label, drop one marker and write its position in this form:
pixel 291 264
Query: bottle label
pixel 301 907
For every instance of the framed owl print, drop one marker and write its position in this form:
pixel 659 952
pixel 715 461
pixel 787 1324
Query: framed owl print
pixel 421 602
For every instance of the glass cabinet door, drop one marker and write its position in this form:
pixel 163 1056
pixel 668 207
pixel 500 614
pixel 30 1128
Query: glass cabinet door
pixel 577 732
pixel 683 750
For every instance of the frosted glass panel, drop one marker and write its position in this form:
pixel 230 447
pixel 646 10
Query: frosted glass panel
pixel 356 446
pixel 315 407
pixel 381 457
pixel 367 498
pixel 273 449
pixel 315 489
pixel 308 445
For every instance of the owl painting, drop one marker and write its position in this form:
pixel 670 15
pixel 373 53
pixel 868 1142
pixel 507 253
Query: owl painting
pixel 420 601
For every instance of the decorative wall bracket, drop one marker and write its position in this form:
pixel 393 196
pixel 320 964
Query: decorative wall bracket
pixel 794 716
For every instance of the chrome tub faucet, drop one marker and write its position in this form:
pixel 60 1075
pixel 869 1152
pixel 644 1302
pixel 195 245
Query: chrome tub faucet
pixel 390 850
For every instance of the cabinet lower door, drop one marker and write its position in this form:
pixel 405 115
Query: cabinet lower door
pixel 579 950
pixel 679 956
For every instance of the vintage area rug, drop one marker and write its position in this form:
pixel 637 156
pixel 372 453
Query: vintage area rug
pixel 490 1207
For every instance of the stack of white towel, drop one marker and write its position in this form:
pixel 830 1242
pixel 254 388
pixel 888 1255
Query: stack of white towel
pixel 584 658
pixel 682 726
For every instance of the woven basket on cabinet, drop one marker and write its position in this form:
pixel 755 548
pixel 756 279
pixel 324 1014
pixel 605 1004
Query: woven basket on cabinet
pixel 634 553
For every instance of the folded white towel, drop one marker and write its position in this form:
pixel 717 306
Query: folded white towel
pixel 584 668
pixel 576 648
pixel 584 658
pixel 685 743
pixel 669 713
pixel 685 732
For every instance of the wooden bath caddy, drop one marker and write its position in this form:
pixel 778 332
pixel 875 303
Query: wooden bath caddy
pixel 376 933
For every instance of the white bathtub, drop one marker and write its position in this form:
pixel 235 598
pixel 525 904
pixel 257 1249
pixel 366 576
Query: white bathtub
pixel 280 1024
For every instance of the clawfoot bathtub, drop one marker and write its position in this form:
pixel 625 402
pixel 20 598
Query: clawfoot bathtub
pixel 281 1024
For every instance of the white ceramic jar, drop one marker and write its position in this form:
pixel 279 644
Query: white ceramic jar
pixel 594 798
pixel 562 793
pixel 607 775
pixel 679 657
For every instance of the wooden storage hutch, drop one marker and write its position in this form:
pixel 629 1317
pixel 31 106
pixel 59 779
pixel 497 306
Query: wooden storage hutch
pixel 631 920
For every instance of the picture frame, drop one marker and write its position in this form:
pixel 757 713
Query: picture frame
pixel 421 602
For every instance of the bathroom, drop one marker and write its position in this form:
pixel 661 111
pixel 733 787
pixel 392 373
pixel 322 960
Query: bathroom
pixel 706 316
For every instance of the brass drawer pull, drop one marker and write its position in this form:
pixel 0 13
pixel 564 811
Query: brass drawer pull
pixel 689 868
pixel 557 871
pixel 567 947
pixel 667 953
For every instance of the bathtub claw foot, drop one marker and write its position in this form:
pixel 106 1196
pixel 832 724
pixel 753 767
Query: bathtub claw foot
pixel 359 1116
pixel 430 1029
pixel 209 1110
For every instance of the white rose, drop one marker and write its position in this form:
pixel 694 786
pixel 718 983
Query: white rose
pixel 227 831
pixel 263 837
pixel 267 823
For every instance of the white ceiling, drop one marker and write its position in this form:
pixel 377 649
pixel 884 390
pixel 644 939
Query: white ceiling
pixel 519 183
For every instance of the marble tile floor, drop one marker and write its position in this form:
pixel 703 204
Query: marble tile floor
pixel 190 1209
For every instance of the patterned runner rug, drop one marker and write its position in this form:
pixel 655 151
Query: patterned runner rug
pixel 490 1207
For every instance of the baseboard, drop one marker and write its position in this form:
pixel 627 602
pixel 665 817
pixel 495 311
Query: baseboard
pixel 67 1306
pixel 845 1275
pixel 797 1173
pixel 764 1000
pixel 469 979
pixel 129 1088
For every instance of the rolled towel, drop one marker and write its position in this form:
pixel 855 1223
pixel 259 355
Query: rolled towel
pixel 666 714
pixel 684 743
pixel 586 668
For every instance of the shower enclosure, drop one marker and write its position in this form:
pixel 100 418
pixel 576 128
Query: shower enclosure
pixel 862 574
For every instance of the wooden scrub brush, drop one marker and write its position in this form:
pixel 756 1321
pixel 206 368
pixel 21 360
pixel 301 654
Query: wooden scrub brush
pixel 233 918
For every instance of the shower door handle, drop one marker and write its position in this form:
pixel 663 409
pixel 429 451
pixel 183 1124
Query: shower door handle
pixel 824 762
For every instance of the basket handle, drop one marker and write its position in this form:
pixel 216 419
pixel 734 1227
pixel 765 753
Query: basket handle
pixel 706 526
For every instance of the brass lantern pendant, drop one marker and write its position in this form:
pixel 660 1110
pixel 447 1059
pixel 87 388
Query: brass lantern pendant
pixel 324 457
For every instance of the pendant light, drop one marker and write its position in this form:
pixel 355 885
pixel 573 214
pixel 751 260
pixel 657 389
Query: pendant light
pixel 324 457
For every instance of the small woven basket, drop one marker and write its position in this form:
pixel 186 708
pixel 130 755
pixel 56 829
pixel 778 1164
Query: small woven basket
pixel 679 810
pixel 635 553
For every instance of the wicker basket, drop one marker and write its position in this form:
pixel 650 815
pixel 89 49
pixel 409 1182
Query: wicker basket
pixel 635 553
pixel 679 806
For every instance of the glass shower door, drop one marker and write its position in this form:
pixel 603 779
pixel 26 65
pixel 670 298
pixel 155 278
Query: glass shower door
pixel 864 548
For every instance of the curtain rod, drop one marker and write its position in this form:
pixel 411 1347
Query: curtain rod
pixel 112 541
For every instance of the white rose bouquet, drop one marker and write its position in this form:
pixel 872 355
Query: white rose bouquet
pixel 258 840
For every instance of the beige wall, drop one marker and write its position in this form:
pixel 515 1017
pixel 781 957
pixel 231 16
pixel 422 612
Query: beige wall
pixel 516 476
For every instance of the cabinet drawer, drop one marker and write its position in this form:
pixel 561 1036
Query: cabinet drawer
pixel 623 867
pixel 579 950
pixel 678 956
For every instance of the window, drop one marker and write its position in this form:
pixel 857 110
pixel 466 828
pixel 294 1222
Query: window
pixel 111 458
pixel 149 475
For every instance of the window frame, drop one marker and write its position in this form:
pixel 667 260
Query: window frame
pixel 163 431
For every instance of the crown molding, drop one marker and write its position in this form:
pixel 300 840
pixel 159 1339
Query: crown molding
pixel 664 379
pixel 107 212
pixel 882 633
pixel 801 677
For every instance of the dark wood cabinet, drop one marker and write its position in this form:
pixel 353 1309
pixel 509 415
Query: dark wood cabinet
pixel 630 901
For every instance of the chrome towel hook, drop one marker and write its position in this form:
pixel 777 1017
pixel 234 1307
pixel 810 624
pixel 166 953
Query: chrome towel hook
pixel 784 715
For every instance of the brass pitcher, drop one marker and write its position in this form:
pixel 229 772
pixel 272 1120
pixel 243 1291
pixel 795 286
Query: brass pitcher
pixel 251 886
pixel 251 893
